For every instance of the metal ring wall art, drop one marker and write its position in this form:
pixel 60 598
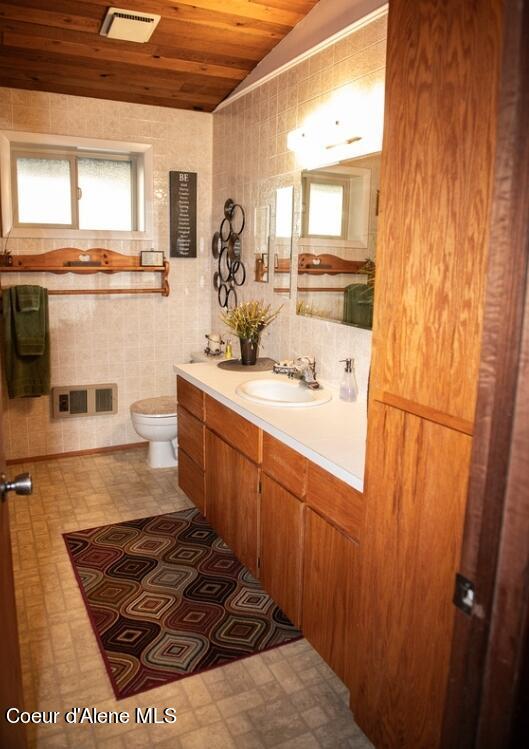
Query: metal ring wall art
pixel 226 248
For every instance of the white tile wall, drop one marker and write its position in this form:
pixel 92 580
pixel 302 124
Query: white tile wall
pixel 251 159
pixel 239 152
pixel 131 340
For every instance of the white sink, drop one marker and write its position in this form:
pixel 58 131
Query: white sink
pixel 283 393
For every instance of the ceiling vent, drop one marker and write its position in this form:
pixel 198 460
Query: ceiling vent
pixel 129 25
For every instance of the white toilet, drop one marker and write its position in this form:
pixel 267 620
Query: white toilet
pixel 154 419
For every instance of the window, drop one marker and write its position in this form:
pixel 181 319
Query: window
pixel 74 189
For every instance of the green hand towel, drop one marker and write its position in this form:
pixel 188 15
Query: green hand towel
pixel 30 324
pixel 28 298
pixel 26 376
pixel 358 305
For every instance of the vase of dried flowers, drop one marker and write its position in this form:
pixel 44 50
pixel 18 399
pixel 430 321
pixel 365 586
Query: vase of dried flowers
pixel 247 321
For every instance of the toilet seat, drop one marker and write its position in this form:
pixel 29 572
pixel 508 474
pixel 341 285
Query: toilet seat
pixel 162 406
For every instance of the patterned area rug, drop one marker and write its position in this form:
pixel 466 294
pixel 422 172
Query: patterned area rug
pixel 167 598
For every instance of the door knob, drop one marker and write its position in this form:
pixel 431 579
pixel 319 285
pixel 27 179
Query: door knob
pixel 22 484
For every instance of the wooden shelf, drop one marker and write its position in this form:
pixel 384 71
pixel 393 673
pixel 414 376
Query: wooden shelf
pixel 320 265
pixel 108 261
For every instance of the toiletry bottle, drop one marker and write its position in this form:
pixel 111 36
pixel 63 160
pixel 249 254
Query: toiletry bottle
pixel 228 353
pixel 348 386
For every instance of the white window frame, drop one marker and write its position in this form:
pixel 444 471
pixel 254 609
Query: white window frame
pixel 38 143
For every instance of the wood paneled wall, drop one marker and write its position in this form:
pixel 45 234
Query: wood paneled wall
pixel 442 67
pixel 437 168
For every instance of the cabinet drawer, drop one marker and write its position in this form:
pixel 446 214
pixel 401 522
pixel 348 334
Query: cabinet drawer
pixel 285 465
pixel 336 500
pixel 191 480
pixel 191 397
pixel 233 429
pixel 191 436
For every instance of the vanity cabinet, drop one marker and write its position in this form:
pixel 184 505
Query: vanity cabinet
pixel 281 547
pixel 293 524
pixel 232 486
pixel 330 584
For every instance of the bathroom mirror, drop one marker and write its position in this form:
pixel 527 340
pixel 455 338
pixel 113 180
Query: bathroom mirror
pixel 283 231
pixel 336 259
pixel 262 243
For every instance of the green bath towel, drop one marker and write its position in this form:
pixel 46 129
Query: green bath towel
pixel 27 374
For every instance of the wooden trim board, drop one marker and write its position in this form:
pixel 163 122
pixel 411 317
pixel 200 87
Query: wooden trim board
pixel 76 453
pixel 425 412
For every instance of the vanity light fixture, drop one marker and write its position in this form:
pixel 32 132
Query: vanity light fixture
pixel 322 141
pixel 348 125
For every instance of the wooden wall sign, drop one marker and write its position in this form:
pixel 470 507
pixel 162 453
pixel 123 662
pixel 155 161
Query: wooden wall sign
pixel 183 214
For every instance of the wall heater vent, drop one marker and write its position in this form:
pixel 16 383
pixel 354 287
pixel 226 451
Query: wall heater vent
pixel 129 25
pixel 87 400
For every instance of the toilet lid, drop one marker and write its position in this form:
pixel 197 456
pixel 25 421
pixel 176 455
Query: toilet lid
pixel 164 405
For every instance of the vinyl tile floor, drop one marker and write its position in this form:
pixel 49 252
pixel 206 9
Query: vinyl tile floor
pixel 286 698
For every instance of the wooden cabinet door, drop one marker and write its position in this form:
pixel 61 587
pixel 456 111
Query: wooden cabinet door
pixel 232 498
pixel 330 573
pixel 417 479
pixel 281 538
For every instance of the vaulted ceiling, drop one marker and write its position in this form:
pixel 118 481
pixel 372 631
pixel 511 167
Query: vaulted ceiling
pixel 197 55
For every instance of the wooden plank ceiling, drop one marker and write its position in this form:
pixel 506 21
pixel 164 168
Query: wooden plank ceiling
pixel 197 55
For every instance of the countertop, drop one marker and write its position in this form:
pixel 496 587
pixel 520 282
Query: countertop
pixel 332 435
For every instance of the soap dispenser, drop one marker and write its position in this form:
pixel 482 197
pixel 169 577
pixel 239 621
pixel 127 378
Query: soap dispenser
pixel 348 386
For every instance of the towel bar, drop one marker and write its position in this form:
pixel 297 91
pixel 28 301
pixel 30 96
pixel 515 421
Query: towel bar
pixel 108 261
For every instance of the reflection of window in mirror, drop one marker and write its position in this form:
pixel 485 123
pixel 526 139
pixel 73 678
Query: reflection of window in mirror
pixel 284 212
pixel 284 207
pixel 336 204
pixel 326 208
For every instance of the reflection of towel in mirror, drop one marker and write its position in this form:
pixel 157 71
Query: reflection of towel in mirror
pixel 26 343
pixel 358 305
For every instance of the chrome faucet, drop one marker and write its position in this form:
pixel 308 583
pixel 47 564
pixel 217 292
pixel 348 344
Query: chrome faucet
pixel 304 368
